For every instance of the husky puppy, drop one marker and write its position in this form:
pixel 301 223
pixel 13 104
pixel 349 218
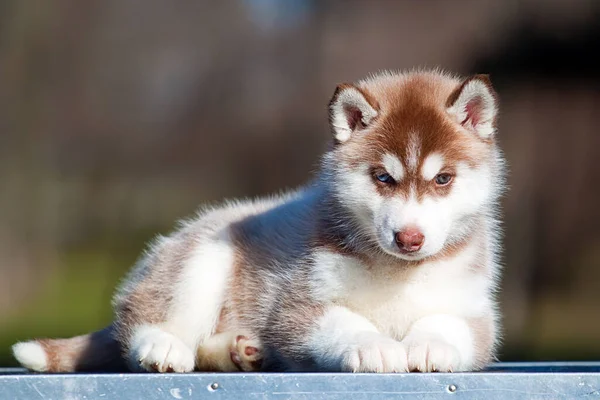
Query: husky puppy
pixel 386 262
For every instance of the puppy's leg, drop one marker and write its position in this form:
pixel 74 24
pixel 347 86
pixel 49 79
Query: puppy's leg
pixel 446 343
pixel 335 340
pixel 347 341
pixel 174 302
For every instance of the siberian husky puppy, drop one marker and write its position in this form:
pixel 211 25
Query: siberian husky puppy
pixel 386 262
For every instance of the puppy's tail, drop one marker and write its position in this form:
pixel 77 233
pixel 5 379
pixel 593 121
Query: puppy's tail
pixel 97 351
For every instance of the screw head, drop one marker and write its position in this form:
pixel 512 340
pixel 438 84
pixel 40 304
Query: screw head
pixel 214 386
pixel 452 388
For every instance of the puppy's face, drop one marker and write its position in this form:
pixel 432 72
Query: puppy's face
pixel 414 159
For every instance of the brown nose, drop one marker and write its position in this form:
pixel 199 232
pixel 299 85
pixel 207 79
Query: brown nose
pixel 410 239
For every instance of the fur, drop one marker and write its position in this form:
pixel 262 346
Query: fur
pixel 315 280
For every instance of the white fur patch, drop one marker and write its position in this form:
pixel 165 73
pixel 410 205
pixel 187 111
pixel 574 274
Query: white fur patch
pixel 399 304
pixel 200 290
pixel 334 273
pixel 486 110
pixel 31 355
pixel 449 286
pixel 359 194
pixel 393 166
pixel 349 97
pixel 392 299
pixel 432 166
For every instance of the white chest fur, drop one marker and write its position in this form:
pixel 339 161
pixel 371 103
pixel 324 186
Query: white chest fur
pixel 393 297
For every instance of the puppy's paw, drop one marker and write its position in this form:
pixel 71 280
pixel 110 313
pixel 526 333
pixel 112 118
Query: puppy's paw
pixel 154 350
pixel 374 352
pixel 246 353
pixel 431 355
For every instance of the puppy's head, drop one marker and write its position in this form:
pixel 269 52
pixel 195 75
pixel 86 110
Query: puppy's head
pixel 414 158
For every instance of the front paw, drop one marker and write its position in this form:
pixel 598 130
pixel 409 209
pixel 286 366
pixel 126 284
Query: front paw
pixel 374 352
pixel 431 355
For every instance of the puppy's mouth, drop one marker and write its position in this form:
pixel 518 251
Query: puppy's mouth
pixel 405 255
pixel 410 255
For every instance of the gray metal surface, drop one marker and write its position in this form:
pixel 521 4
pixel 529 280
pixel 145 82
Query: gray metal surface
pixel 502 381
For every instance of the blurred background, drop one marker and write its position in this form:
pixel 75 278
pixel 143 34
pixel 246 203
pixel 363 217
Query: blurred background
pixel 118 117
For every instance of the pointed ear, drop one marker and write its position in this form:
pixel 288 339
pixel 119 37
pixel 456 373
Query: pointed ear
pixel 351 109
pixel 474 105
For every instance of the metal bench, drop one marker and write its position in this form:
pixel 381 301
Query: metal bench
pixel 501 381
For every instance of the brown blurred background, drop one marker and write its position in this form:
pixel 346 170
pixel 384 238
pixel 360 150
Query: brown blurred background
pixel 119 117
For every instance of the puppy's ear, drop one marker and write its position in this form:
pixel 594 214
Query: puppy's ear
pixel 350 110
pixel 474 105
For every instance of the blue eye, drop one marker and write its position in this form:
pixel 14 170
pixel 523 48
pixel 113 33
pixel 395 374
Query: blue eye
pixel 384 177
pixel 443 179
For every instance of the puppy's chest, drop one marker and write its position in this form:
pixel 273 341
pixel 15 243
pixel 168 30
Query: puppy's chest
pixel 393 305
pixel 393 299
